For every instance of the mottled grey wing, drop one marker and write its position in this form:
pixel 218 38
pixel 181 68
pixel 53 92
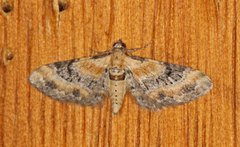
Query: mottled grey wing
pixel 157 84
pixel 82 81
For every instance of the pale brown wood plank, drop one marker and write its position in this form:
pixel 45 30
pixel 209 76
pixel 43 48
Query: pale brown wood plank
pixel 1 81
pixel 35 117
pixel 237 77
pixel 199 34
pixel 224 100
pixel 9 76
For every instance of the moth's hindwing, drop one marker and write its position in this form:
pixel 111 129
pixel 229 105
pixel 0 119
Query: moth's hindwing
pixel 81 81
pixel 157 84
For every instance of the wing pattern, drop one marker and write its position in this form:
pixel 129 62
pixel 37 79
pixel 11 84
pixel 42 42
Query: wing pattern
pixel 82 81
pixel 157 84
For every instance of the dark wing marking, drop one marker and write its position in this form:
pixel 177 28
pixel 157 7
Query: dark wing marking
pixel 157 84
pixel 81 81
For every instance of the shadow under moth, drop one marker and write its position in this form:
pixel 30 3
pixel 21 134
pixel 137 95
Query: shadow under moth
pixel 87 81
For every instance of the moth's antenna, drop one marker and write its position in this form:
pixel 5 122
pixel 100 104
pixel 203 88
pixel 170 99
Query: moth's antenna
pixel 132 50
pixel 110 51
pixel 128 53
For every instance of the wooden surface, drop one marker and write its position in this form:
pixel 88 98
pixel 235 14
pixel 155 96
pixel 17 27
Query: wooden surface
pixel 201 34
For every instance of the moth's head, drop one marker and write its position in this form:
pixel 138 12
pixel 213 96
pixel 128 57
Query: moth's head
pixel 119 45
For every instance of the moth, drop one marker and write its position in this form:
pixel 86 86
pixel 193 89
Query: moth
pixel 87 81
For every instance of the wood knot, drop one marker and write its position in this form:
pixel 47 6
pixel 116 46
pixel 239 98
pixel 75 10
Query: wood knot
pixel 6 6
pixel 7 56
pixel 63 5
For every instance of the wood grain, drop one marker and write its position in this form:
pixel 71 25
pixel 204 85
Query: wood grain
pixel 200 34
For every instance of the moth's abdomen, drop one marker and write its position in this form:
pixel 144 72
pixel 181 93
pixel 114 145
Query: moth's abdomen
pixel 117 92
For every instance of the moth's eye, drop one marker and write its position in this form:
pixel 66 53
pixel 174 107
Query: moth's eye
pixel 124 45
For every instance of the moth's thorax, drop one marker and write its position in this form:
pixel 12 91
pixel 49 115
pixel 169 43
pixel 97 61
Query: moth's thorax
pixel 117 58
pixel 116 69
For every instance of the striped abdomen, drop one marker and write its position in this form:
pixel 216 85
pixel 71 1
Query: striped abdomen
pixel 117 89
